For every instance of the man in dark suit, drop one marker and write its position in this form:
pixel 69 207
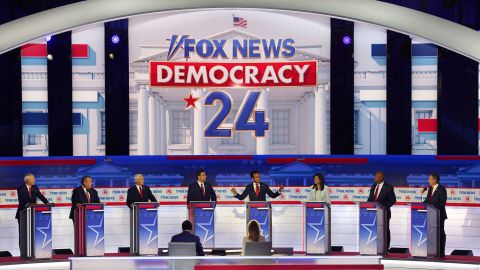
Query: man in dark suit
pixel 256 191
pixel 28 194
pixel 83 194
pixel 139 192
pixel 200 190
pixel 383 194
pixel 188 237
pixel 437 196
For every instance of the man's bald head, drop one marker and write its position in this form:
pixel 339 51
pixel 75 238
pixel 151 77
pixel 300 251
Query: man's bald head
pixel 379 177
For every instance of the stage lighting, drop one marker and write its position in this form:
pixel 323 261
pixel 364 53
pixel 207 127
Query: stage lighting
pixel 347 40
pixel 115 39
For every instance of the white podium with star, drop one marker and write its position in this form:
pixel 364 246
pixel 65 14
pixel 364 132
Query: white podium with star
pixel 425 234
pixel 317 228
pixel 144 228
pixel 89 229
pixel 36 232
pixel 262 213
pixel 202 215
pixel 372 228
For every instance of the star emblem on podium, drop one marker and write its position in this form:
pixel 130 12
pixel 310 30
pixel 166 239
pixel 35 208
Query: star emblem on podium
pixel 206 238
pixel 367 226
pixel 315 226
pixel 422 238
pixel 265 222
pixel 46 240
pixel 146 227
pixel 98 239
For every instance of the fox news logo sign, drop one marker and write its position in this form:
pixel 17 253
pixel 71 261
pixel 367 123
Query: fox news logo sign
pixel 246 48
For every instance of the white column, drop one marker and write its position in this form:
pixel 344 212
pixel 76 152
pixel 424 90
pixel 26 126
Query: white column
pixel 142 120
pixel 163 127
pixel 320 125
pixel 158 116
pixel 152 124
pixel 199 145
pixel 262 104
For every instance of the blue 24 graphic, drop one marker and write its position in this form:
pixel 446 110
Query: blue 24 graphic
pixel 241 120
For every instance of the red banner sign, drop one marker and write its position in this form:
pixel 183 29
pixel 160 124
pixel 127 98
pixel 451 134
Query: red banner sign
pixel 233 74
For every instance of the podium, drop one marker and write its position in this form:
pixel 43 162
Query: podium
pixel 89 230
pixel 202 215
pixel 317 228
pixel 261 212
pixel 36 232
pixel 425 237
pixel 372 229
pixel 144 228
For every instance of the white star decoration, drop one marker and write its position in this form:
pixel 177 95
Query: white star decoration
pixel 206 238
pixel 265 222
pixel 145 226
pixel 46 241
pixel 416 227
pixel 95 243
pixel 318 237
pixel 374 223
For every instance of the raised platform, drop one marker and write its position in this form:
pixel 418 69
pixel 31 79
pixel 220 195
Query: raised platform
pixel 339 261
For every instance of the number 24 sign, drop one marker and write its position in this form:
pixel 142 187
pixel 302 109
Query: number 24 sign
pixel 242 121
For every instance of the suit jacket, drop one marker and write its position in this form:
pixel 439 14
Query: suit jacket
pixel 133 195
pixel 24 198
pixel 79 196
pixel 250 192
pixel 195 193
pixel 386 197
pixel 439 200
pixel 188 237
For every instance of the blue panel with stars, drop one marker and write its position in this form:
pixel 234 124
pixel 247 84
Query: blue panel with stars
pixel 419 232
pixel 94 223
pixel 315 230
pixel 368 231
pixel 263 217
pixel 43 235
pixel 205 226
pixel 148 231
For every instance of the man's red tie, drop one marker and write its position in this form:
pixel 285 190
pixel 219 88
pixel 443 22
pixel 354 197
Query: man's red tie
pixel 203 189
pixel 88 196
pixel 429 194
pixel 141 192
pixel 376 193
pixel 257 189
pixel 30 192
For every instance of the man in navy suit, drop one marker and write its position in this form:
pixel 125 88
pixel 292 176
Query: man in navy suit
pixel 437 196
pixel 83 194
pixel 139 192
pixel 28 194
pixel 257 191
pixel 200 190
pixel 383 194
pixel 188 237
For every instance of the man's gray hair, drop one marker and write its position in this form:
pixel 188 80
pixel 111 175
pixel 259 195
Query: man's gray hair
pixel 27 175
pixel 137 175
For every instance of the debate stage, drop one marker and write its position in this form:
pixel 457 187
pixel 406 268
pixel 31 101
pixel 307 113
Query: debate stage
pixel 337 260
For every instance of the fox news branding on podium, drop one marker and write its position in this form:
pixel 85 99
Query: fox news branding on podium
pixel 270 72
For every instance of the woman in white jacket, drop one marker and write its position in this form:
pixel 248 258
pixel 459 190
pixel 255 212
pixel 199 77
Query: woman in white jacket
pixel 319 191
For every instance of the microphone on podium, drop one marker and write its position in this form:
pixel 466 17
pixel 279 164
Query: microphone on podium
pixel 423 191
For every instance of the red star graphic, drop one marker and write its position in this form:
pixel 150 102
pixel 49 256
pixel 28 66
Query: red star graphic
pixel 190 102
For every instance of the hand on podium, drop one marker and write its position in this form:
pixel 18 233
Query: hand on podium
pixel 233 190
pixel 282 186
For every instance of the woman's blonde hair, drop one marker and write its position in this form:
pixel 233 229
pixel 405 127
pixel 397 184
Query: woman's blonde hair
pixel 253 231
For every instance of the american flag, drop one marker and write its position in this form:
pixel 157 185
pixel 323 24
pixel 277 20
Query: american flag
pixel 239 22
